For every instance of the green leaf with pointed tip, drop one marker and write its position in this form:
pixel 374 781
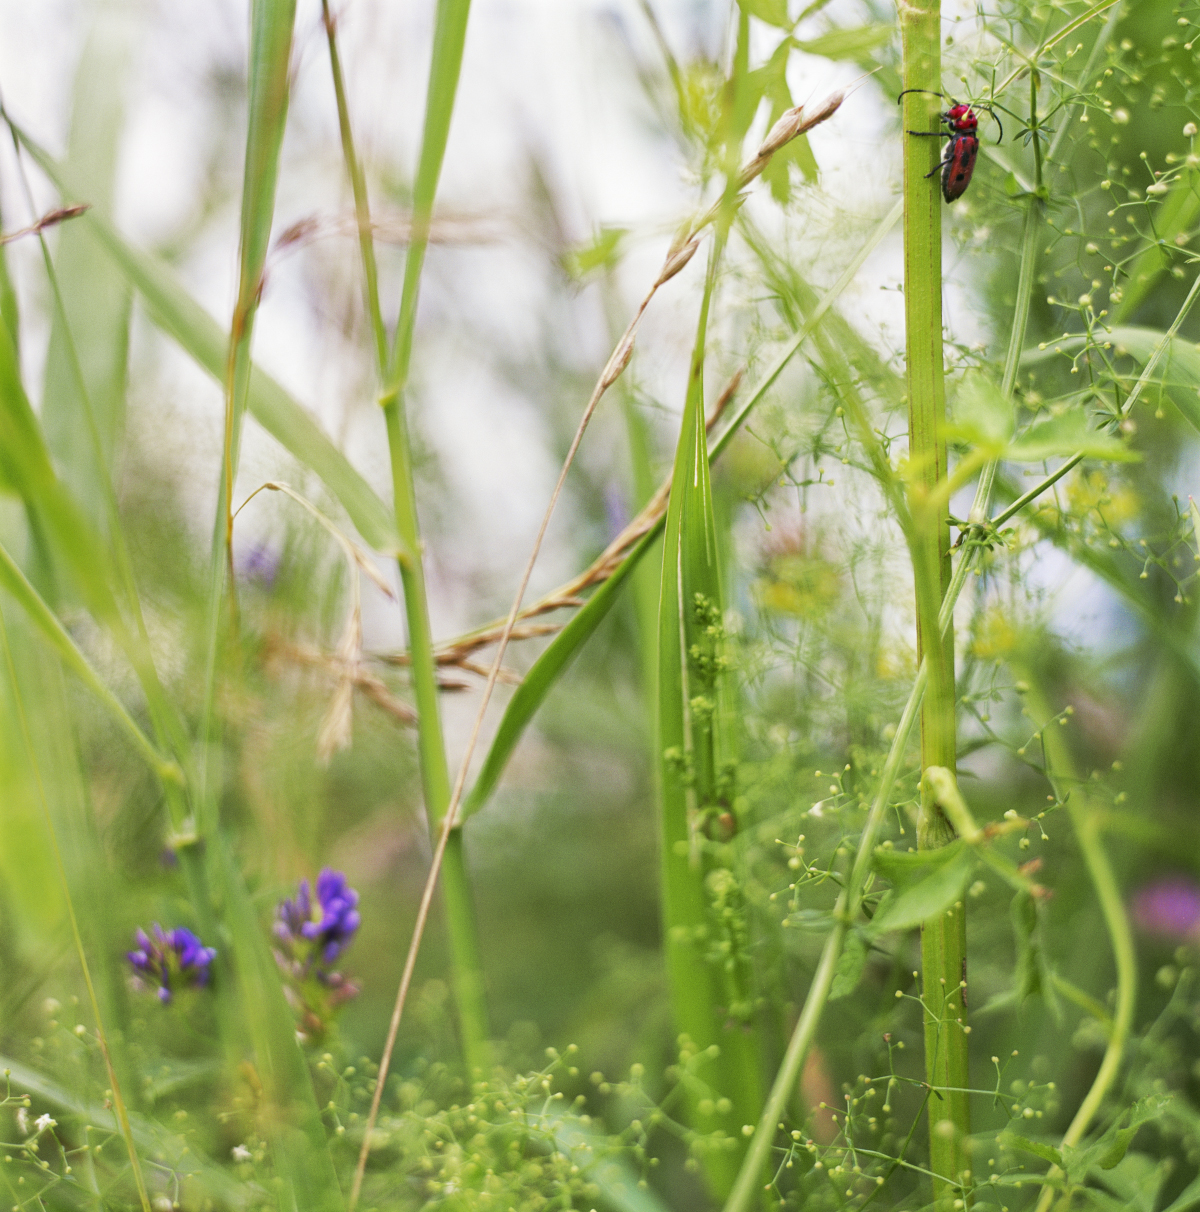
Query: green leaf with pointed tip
pixel 1178 371
pixel 1064 435
pixel 1034 1147
pixel 982 414
pixel 181 317
pixel 926 898
pixel 904 868
pixel 849 43
pixel 850 966
pixel 773 12
pixel 546 671
pixel 601 253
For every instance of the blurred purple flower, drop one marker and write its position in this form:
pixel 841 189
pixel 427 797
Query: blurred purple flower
pixel 1168 906
pixel 261 564
pixel 309 937
pixel 328 926
pixel 171 959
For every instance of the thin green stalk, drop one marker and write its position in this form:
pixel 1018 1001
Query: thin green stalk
pixel 358 185
pixel 1085 820
pixel 943 939
pixel 449 36
pixel 117 1097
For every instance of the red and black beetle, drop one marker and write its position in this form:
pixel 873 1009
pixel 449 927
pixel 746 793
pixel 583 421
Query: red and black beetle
pixel 963 147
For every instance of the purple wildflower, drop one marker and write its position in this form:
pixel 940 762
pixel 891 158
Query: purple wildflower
pixel 171 959
pixel 329 926
pixel 309 937
pixel 1169 907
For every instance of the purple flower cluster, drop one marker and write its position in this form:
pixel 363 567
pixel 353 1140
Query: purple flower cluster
pixel 308 939
pixel 328 927
pixel 171 959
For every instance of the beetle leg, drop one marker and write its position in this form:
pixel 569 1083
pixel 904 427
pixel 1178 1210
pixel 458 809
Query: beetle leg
pixel 929 134
pixel 937 169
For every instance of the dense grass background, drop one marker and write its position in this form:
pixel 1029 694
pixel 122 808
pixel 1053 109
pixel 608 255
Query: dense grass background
pixel 188 728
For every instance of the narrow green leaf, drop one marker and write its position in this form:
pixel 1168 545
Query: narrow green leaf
pixel 1034 1147
pixel 773 12
pixel 1194 511
pixel 270 53
pixel 1178 371
pixel 850 967
pixel 690 693
pixel 26 470
pixel 56 635
pixel 546 671
pixel 849 43
pixel 1064 435
pixel 926 898
pixel 181 317
pixel 905 868
pixel 982 412
pixel 271 23
pixel 449 37
pixel 89 337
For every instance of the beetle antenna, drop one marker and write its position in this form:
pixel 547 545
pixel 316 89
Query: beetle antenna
pixel 997 121
pixel 930 91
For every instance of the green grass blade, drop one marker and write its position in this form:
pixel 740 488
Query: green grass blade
pixel 26 470
pixel 182 318
pixel 545 673
pixel 450 31
pixel 118 1099
pixel 358 186
pixel 56 635
pixel 10 313
pixel 449 37
pixel 181 1155
pixel 690 655
pixel 89 339
pixel 271 24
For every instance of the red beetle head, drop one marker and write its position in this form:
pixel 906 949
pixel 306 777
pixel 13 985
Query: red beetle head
pixel 962 118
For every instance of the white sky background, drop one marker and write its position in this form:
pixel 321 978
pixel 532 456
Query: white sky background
pixel 549 79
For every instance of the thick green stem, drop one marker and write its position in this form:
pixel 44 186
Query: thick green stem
pixel 943 939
